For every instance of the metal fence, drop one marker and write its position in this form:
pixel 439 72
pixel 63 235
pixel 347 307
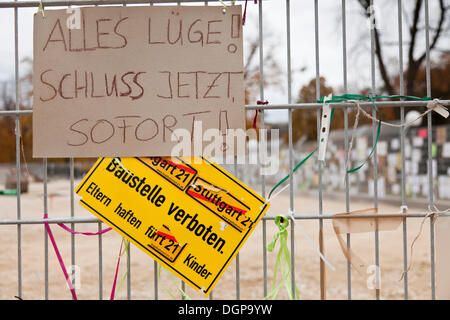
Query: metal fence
pixel 290 106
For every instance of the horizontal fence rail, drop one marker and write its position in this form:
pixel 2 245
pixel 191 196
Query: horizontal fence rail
pixel 302 216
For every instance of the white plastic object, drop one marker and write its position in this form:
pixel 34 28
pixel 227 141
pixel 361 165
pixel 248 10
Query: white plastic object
pixel 324 128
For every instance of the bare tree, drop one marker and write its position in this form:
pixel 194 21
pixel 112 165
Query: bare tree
pixel 414 62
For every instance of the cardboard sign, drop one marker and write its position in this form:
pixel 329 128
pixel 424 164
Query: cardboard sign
pixel 117 81
pixel 192 218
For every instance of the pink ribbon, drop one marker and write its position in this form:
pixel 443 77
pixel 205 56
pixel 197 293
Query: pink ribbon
pixel 61 262
pixel 113 290
pixel 83 233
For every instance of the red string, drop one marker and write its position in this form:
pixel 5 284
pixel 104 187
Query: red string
pixel 245 13
pixel 259 102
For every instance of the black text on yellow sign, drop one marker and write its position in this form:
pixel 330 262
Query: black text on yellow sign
pixel 191 216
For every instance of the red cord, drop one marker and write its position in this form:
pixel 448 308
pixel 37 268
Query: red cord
pixel 245 13
pixel 255 118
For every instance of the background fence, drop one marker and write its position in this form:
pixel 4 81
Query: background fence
pixel 290 106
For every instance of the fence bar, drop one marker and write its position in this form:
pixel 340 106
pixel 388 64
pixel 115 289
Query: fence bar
pixel 155 278
pixel 100 258
pixel 183 285
pixel 430 150
pixel 402 148
pixel 238 283
pixel 211 296
pixel 128 271
pixel 261 95
pixel 306 106
pixel 375 157
pixel 44 164
pixel 320 163
pixel 298 216
pixel 72 213
pixel 291 147
pixel 17 132
pixel 15 112
pixel 297 106
pixel 64 3
pixel 346 146
pixel 100 263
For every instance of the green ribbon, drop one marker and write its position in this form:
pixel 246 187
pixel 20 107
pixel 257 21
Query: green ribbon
pixel 300 163
pixel 283 260
pixel 127 245
pixel 344 98
pixel 172 278
pixel 358 97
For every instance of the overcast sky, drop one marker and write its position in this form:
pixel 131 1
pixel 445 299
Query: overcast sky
pixel 302 42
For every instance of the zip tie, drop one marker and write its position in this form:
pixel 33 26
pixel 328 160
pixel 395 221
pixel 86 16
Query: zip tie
pixel 311 243
pixel 436 105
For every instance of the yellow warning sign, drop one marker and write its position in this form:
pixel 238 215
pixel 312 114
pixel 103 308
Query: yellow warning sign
pixel 191 217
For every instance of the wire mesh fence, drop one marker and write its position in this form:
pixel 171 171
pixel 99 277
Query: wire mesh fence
pixel 320 216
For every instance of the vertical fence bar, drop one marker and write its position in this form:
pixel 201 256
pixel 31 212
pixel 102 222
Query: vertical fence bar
pixel 18 137
pixel 155 263
pixel 183 284
pixel 128 272
pixel 100 256
pixel 72 214
pixel 155 276
pixel 402 149
pixel 374 159
pixel 430 151
pixel 346 146
pixel 238 271
pixel 261 95
pixel 44 165
pixel 128 254
pixel 291 147
pixel 320 164
pixel 211 297
pixel 100 263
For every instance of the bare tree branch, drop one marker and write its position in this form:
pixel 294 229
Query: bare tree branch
pixel 378 51
pixel 438 31
pixel 413 64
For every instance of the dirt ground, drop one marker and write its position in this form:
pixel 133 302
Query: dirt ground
pixel 251 255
